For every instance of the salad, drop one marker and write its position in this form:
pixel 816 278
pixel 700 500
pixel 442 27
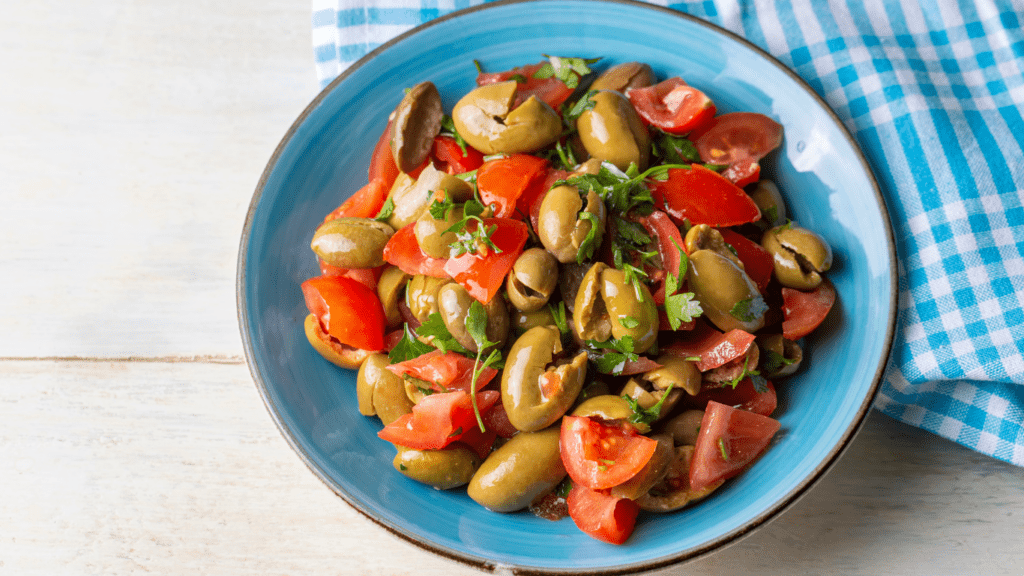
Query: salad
pixel 573 293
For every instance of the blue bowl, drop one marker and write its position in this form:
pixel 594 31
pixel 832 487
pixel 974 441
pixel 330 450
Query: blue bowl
pixel 323 158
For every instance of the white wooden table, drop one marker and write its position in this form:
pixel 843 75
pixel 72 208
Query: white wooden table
pixel 132 439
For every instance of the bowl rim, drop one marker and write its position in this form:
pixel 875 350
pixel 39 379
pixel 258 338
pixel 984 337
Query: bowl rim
pixel 772 512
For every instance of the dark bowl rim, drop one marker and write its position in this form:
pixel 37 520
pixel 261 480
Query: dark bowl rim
pixel 489 565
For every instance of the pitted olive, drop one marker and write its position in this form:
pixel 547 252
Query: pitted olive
pixel 332 350
pixel 391 287
pixel 769 200
pixel 413 197
pixel 799 256
pixel 681 373
pixel 561 227
pixel 607 305
pixel 536 390
pixel 648 396
pixel 569 282
pixel 453 302
pixel 421 295
pixel 610 408
pixel 388 398
pixel 523 321
pixel 622 77
pixel 487 121
pixel 704 237
pixel 365 385
pixel 612 131
pixel 781 357
pixel 348 242
pixel 526 467
pixel 533 279
pixel 651 473
pixel 443 469
pixel 729 298
pixel 433 235
pixel 673 491
pixel 415 123
pixel 685 427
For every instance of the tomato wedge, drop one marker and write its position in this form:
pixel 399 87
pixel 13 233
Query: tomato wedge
pixel 743 172
pixel 529 203
pixel 482 275
pixel 673 106
pixel 438 420
pixel 550 90
pixel 382 162
pixel 601 515
pixel 669 241
pixel 703 196
pixel 335 300
pixel 449 154
pixel 804 311
pixel 757 262
pixel 501 182
pixel 404 251
pixel 728 441
pixel 600 456
pixel 711 346
pixel 743 396
pixel 738 136
pixel 446 371
pixel 366 276
pixel 365 203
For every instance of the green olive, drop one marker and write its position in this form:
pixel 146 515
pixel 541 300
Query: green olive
pixel 391 287
pixel 533 279
pixel 799 256
pixel 769 200
pixel 421 295
pixel 433 235
pixel 523 321
pixel 611 408
pixel 684 427
pixel 365 385
pixel 612 131
pixel 414 124
pixel 332 350
pixel 679 372
pixel 729 298
pixel 622 77
pixel 536 390
pixel 648 396
pixel 607 305
pixel 560 226
pixel 486 119
pixel 453 302
pixel 389 399
pixel 704 237
pixel 569 282
pixel 413 197
pixel 348 242
pixel 526 467
pixel 443 469
pixel 651 473
pixel 781 357
pixel 673 491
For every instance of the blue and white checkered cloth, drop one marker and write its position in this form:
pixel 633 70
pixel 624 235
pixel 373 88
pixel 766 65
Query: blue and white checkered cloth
pixel 933 90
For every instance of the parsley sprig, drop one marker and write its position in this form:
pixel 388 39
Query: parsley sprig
pixel 759 382
pixel 568 70
pixel 617 353
pixel 643 415
pixel 476 326
pixel 680 306
pixel 472 234
pixel 408 347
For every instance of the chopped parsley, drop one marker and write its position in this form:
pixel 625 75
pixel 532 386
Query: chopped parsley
pixel 749 309
pixel 440 337
pixel 408 347
pixel 476 326
pixel 618 352
pixel 643 415
pixel 568 70
pixel 386 210
pixel 722 448
pixel 680 307
pixel 775 361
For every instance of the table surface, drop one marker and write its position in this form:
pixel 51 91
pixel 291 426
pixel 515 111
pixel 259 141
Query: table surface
pixel 133 439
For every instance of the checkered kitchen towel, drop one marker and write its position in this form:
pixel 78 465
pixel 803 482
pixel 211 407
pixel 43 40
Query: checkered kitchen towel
pixel 933 90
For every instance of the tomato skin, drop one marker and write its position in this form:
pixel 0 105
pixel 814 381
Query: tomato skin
pixel 703 196
pixel 673 106
pixel 743 172
pixel 601 515
pixel 497 419
pixel 341 298
pixel 365 203
pixel 550 90
pixel 743 396
pixel 743 435
pixel 382 161
pixel 438 420
pixel 737 136
pixel 483 275
pixel 529 203
pixel 713 347
pixel 757 262
pixel 448 152
pixel 501 182
pixel 601 456
pixel 446 371
pixel 804 311
pixel 404 251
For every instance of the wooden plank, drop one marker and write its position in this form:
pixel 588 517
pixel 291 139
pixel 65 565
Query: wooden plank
pixel 171 468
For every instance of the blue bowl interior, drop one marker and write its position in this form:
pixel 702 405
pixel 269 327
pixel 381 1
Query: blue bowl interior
pixel 324 157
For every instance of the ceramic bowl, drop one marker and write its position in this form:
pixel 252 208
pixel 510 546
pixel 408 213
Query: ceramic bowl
pixel 323 158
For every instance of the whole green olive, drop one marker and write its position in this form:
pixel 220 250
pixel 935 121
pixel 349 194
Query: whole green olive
pixel 704 237
pixel 684 427
pixel 453 303
pixel 535 389
pixel 533 279
pixel 622 77
pixel 486 119
pixel 781 357
pixel 433 235
pixel 443 469
pixel 673 491
pixel 612 131
pixel 651 473
pixel 729 298
pixel 611 408
pixel 388 395
pixel 680 373
pixel 799 255
pixel 391 287
pixel 769 200
pixel 412 198
pixel 607 305
pixel 523 321
pixel 562 228
pixel 348 242
pixel 526 467
pixel 414 124
pixel 421 295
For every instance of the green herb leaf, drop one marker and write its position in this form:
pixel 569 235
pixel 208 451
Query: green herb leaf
pixel 643 415
pixel 629 322
pixel 568 70
pixel 775 361
pixel 585 103
pixel 448 129
pixel 386 210
pixel 591 240
pixel 476 326
pixel 722 448
pixel 681 308
pixel 749 309
pixel 674 149
pixel 613 361
pixel 441 338
pixel 560 317
pixel 408 347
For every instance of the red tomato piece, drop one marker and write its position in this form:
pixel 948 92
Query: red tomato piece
pixel 601 515
pixel 365 203
pixel 743 172
pixel 382 162
pixel 448 152
pixel 529 202
pixel 728 441
pixel 337 301
pixel 804 311
pixel 669 241
pixel 600 456
pixel 445 371
pixel 738 136
pixel 641 365
pixel 501 182
pixel 757 262
pixel 438 420
pixel 665 325
pixel 480 442
pixel 404 251
pixel 673 106
pixel 711 346
pixel 497 419
pixel 703 196
pixel 550 90
pixel 743 396
pixel 482 275
pixel 366 276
